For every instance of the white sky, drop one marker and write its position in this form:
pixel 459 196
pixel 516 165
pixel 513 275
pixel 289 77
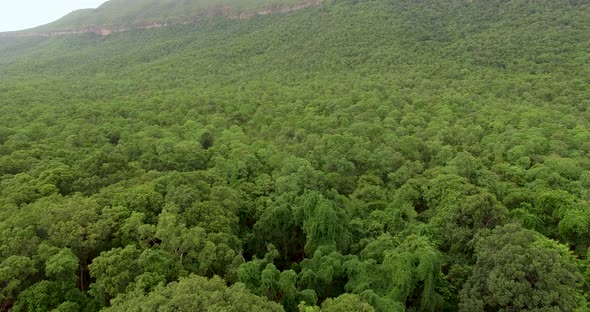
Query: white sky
pixel 23 14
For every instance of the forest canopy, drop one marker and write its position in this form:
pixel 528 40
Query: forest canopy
pixel 379 155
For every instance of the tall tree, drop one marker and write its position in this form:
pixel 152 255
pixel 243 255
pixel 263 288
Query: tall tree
pixel 519 270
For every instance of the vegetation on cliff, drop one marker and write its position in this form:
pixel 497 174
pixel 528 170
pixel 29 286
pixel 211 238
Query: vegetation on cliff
pixel 122 13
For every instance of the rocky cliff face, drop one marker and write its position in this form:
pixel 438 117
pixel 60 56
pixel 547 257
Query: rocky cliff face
pixel 285 9
pixel 107 30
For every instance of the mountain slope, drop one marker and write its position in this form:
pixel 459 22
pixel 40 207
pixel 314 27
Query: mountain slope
pixel 382 155
pixel 129 13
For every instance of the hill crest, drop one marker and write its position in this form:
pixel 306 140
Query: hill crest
pixel 75 22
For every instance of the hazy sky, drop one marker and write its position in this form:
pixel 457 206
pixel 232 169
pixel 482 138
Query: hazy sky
pixel 23 14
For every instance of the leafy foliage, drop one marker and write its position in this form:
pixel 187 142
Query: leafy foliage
pixel 518 269
pixel 381 155
pixel 195 293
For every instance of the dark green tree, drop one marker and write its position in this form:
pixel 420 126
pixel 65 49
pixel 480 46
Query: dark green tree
pixel 518 269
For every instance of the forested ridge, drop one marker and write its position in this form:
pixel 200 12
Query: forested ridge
pixel 380 155
pixel 125 15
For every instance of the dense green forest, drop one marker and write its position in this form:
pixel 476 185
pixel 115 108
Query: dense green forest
pixel 378 155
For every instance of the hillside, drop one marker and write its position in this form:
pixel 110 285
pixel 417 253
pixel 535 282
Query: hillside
pixel 124 15
pixel 381 155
